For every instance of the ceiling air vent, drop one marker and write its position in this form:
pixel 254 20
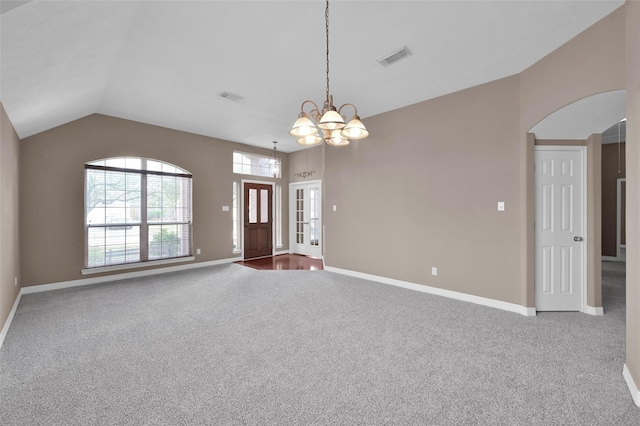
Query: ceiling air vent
pixel 395 56
pixel 232 97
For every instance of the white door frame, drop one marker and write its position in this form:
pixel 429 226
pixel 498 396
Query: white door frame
pixel 583 151
pixel 619 217
pixel 292 234
pixel 273 213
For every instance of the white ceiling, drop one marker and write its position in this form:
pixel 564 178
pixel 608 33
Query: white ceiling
pixel 166 63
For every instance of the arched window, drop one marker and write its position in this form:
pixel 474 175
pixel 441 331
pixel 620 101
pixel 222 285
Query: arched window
pixel 136 210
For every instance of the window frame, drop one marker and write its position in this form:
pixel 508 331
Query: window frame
pixel 258 170
pixel 236 234
pixel 144 241
pixel 277 206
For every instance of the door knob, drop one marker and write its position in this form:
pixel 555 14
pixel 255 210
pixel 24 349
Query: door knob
pixel 578 238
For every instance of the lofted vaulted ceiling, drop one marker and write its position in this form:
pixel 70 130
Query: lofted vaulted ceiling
pixel 167 62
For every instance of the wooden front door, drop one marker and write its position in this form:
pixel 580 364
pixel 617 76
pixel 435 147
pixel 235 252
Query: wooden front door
pixel 258 221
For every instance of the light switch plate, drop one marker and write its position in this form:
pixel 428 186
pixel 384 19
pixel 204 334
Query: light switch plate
pixel 335 207
pixel 225 208
pixel 500 206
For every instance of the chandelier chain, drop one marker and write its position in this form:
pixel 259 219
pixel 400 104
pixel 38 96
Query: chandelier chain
pixel 326 22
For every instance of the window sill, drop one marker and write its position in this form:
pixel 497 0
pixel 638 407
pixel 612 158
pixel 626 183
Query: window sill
pixel 125 266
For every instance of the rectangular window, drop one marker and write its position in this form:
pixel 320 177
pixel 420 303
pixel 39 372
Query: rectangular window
pixel 113 217
pixel 253 205
pixel 300 216
pixel 136 215
pixel 256 165
pixel 314 216
pixel 278 207
pixel 264 206
pixel 236 217
pixel 168 216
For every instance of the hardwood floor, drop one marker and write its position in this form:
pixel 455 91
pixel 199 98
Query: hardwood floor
pixel 284 262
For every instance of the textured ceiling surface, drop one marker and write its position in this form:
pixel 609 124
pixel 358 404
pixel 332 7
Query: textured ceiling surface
pixel 166 62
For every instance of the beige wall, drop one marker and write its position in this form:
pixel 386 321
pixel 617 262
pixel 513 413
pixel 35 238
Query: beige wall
pixel 594 221
pixel 589 64
pixel 52 168
pixel 611 172
pixel 422 191
pixel 9 217
pixel 633 189
pixel 306 165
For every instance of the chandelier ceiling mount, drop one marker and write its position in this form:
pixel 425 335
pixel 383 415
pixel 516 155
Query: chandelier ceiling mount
pixel 329 120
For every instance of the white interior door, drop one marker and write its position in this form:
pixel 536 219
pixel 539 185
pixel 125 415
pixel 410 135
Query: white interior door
pixel 305 213
pixel 559 228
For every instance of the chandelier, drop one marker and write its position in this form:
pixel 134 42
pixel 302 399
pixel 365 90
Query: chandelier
pixel 329 120
pixel 274 161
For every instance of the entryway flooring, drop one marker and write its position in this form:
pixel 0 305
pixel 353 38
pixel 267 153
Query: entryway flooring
pixel 284 262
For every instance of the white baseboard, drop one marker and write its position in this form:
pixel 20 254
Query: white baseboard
pixel 123 276
pixel 635 393
pixel 498 304
pixel 610 258
pixel 5 328
pixel 594 310
pixel 137 265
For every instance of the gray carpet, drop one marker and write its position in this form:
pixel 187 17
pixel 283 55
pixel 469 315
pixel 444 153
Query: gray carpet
pixel 232 345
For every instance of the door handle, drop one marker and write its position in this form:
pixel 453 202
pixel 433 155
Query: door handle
pixel 578 238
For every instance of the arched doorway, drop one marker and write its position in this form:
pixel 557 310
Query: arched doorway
pixel 577 124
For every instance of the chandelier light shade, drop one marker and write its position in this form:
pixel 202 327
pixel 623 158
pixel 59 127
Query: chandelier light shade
pixel 355 129
pixel 336 138
pixel 330 127
pixel 331 120
pixel 303 127
pixel 310 140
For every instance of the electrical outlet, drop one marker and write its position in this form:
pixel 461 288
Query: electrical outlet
pixel 198 251
pixel 434 270
pixel 15 282
pixel 500 206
